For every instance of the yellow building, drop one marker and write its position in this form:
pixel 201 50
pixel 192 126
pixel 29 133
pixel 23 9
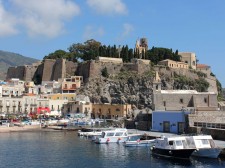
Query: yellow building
pixel 173 64
pixel 110 111
pixel 59 96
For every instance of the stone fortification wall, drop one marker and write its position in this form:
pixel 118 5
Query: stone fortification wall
pixel 90 69
pixel 16 72
pixel 58 70
pixel 171 72
pixel 29 72
pixel 48 69
pixel 212 84
pixel 71 68
pixel 84 70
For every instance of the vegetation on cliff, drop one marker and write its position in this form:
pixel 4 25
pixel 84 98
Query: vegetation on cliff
pixel 92 48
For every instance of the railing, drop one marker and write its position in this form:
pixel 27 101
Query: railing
pixel 209 125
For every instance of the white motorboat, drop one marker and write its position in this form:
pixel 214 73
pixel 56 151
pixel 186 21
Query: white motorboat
pixel 117 135
pixel 172 147
pixel 205 146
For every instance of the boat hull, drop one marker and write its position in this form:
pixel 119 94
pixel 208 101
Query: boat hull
pixel 139 143
pixel 173 153
pixel 208 152
pixel 110 140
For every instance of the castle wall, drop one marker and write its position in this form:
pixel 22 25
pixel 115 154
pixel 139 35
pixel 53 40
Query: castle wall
pixel 48 69
pixel 29 72
pixel 91 69
pixel 58 70
pixel 71 68
pixel 16 72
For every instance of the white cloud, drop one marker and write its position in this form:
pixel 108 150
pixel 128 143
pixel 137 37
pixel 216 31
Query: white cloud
pixel 7 22
pixel 39 18
pixel 108 6
pixel 91 32
pixel 45 17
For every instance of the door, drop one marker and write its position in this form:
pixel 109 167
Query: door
pixel 180 128
pixel 166 126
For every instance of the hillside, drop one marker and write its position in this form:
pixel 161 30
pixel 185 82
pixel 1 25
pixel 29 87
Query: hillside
pixel 9 59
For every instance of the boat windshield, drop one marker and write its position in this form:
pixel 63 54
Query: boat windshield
pixel 119 134
pixel 179 143
pixel 205 142
pixel 110 134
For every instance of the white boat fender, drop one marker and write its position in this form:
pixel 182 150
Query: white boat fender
pixel 152 147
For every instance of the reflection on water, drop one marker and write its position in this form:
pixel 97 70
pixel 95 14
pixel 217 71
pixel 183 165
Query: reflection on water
pixel 65 149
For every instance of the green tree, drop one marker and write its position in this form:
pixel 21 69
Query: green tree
pixel 88 50
pixel 105 72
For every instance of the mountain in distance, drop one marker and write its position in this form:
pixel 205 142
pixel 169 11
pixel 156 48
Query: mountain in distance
pixel 9 59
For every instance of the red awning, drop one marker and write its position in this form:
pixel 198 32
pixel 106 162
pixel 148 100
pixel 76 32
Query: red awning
pixel 42 110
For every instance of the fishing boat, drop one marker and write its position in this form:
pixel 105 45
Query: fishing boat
pixel 111 136
pixel 137 140
pixel 137 143
pixel 205 146
pixel 172 147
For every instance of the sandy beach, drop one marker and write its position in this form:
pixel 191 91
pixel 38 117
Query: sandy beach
pixel 4 129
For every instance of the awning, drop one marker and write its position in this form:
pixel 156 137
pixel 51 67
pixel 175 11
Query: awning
pixel 42 110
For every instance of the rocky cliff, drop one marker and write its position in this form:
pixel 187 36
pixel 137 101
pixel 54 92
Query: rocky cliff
pixel 136 89
pixel 125 87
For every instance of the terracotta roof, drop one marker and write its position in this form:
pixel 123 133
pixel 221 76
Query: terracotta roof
pixel 202 66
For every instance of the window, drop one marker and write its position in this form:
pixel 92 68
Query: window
pixel 119 134
pixel 205 100
pixel 205 142
pixel 179 143
pixel 171 143
pixel 164 103
pixel 193 62
pixel 110 134
pixel 181 101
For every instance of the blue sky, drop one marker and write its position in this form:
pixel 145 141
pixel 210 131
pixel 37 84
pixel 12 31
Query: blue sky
pixel 36 28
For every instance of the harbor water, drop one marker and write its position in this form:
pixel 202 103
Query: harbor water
pixel 58 149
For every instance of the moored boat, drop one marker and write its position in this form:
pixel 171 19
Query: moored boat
pixel 172 147
pixel 205 146
pixel 117 135
pixel 137 143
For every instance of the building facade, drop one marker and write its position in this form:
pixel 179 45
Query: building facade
pixel 189 58
pixel 173 64
pixel 169 121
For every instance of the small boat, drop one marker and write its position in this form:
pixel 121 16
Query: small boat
pixel 137 140
pixel 117 135
pixel 172 147
pixel 205 146
pixel 137 143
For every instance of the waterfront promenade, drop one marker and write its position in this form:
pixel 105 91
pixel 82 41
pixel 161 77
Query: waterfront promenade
pixel 4 129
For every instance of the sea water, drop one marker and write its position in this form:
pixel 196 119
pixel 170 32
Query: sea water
pixel 56 149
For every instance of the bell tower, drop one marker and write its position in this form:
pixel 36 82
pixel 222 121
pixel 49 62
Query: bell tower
pixel 157 83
